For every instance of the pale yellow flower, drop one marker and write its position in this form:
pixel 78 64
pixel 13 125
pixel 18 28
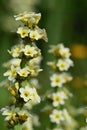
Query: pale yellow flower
pixel 23 31
pixel 64 64
pixel 25 93
pixel 34 99
pixel 12 73
pixel 56 116
pixel 21 16
pixel 30 51
pixel 57 80
pixel 23 72
pixel 9 112
pixel 42 34
pixel 59 98
pixel 28 93
pixel 16 50
pixel 34 35
pixel 64 52
pixel 29 19
pixel 15 62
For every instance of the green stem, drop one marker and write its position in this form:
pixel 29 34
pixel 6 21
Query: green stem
pixel 18 127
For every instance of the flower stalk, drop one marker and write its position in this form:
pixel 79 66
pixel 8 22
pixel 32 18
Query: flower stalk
pixel 58 95
pixel 21 73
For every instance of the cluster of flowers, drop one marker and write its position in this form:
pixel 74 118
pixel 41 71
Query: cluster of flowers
pixel 59 94
pixel 30 28
pixel 22 70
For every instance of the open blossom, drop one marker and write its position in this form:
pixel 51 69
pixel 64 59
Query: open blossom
pixel 64 52
pixel 34 34
pixel 9 112
pixel 28 93
pixel 16 50
pixel 12 74
pixel 15 62
pixel 37 33
pixel 23 31
pixel 25 93
pixel 58 98
pixel 23 72
pixel 56 116
pixel 64 64
pixel 14 115
pixel 57 80
pixel 30 51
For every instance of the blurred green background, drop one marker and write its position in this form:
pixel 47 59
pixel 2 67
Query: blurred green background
pixel 65 22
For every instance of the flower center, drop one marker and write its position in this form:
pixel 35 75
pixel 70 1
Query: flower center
pixel 26 94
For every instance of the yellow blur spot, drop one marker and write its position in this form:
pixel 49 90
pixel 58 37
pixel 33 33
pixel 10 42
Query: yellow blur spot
pixel 79 51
